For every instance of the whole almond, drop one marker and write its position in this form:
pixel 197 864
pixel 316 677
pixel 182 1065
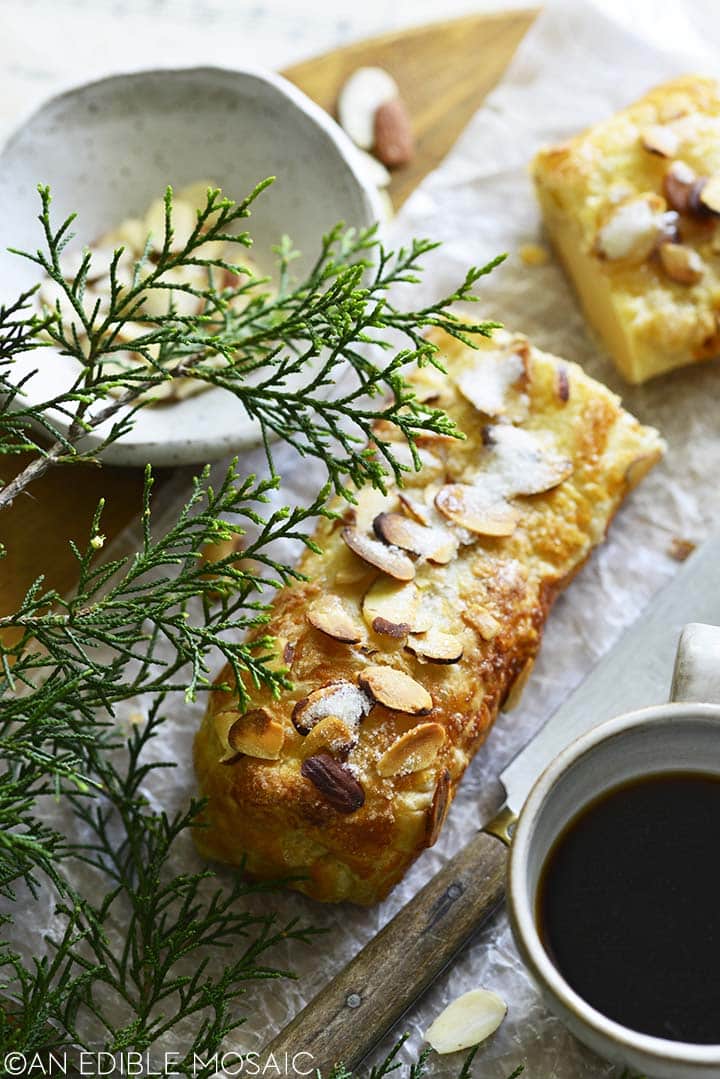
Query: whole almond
pixel 335 782
pixel 394 144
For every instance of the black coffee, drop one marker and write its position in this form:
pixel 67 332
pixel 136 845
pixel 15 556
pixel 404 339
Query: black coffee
pixel 629 906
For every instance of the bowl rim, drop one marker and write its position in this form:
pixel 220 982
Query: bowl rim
pixel 342 142
pixel 527 938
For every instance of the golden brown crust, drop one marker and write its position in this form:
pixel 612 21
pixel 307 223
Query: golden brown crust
pixel 657 306
pixel 493 595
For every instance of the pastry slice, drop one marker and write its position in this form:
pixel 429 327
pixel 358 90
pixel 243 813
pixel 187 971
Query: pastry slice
pixel 420 620
pixel 632 206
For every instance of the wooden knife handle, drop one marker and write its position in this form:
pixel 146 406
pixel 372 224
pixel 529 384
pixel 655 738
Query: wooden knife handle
pixel 353 1012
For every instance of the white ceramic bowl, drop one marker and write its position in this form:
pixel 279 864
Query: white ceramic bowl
pixel 109 148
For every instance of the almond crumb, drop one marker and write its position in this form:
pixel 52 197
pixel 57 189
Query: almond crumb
pixel 680 548
pixel 534 254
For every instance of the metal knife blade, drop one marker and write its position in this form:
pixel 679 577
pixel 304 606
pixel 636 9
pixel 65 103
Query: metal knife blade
pixel 635 672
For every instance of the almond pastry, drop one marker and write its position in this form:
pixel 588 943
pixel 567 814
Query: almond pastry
pixel 632 206
pixel 415 625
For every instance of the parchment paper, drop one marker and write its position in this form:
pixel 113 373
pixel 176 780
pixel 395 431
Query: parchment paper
pixel 577 65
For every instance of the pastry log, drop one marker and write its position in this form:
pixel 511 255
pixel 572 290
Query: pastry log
pixel 419 621
pixel 632 206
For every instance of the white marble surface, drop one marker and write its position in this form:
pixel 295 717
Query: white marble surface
pixel 46 45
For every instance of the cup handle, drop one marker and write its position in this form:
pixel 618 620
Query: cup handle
pixel 697 665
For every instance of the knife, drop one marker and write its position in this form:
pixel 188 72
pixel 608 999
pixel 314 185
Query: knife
pixel 361 1004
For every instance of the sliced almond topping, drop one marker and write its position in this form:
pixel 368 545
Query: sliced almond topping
pixel 679 185
pixel 333 734
pixel 335 782
pixel 370 502
pixel 473 509
pixel 389 559
pixel 635 228
pixel 479 618
pixel 516 689
pixel 328 614
pixel 470 1019
pixel 412 751
pixel 661 140
pixel 434 544
pixel 439 809
pixel 487 383
pixel 417 510
pixel 342 699
pixel 436 647
pixel 395 690
pixel 523 463
pixel 563 383
pixel 394 610
pixel 709 195
pixel 681 263
pixel 255 734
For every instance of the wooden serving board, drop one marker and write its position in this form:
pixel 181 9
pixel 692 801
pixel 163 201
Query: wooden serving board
pixel 444 72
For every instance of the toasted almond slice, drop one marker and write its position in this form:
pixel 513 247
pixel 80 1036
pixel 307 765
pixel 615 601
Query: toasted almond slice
pixel 417 510
pixel 412 751
pixel 681 263
pixel 479 618
pixel 679 184
pixel 439 808
pixel 342 699
pixel 389 559
pixel 635 228
pixel 395 690
pixel 370 501
pixel 516 689
pixel 328 614
pixel 255 734
pixel 487 383
pixel 661 140
pixel 436 647
pixel 394 610
pixel 471 508
pixel 709 196
pixel 331 733
pixel 435 544
pixel 522 463
pixel 468 1020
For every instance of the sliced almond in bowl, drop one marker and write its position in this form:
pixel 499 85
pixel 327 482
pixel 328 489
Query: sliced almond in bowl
pixel 436 647
pixel 472 508
pixel 467 1021
pixel 388 559
pixel 395 690
pixel 255 734
pixel 328 614
pixel 342 699
pixel 393 609
pixel 412 751
pixel 435 544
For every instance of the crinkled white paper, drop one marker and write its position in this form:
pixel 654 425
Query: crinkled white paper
pixel 576 65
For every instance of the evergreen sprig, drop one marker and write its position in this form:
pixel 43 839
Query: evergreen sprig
pixel 315 362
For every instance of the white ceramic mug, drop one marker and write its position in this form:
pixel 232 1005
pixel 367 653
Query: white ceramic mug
pixel 683 735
